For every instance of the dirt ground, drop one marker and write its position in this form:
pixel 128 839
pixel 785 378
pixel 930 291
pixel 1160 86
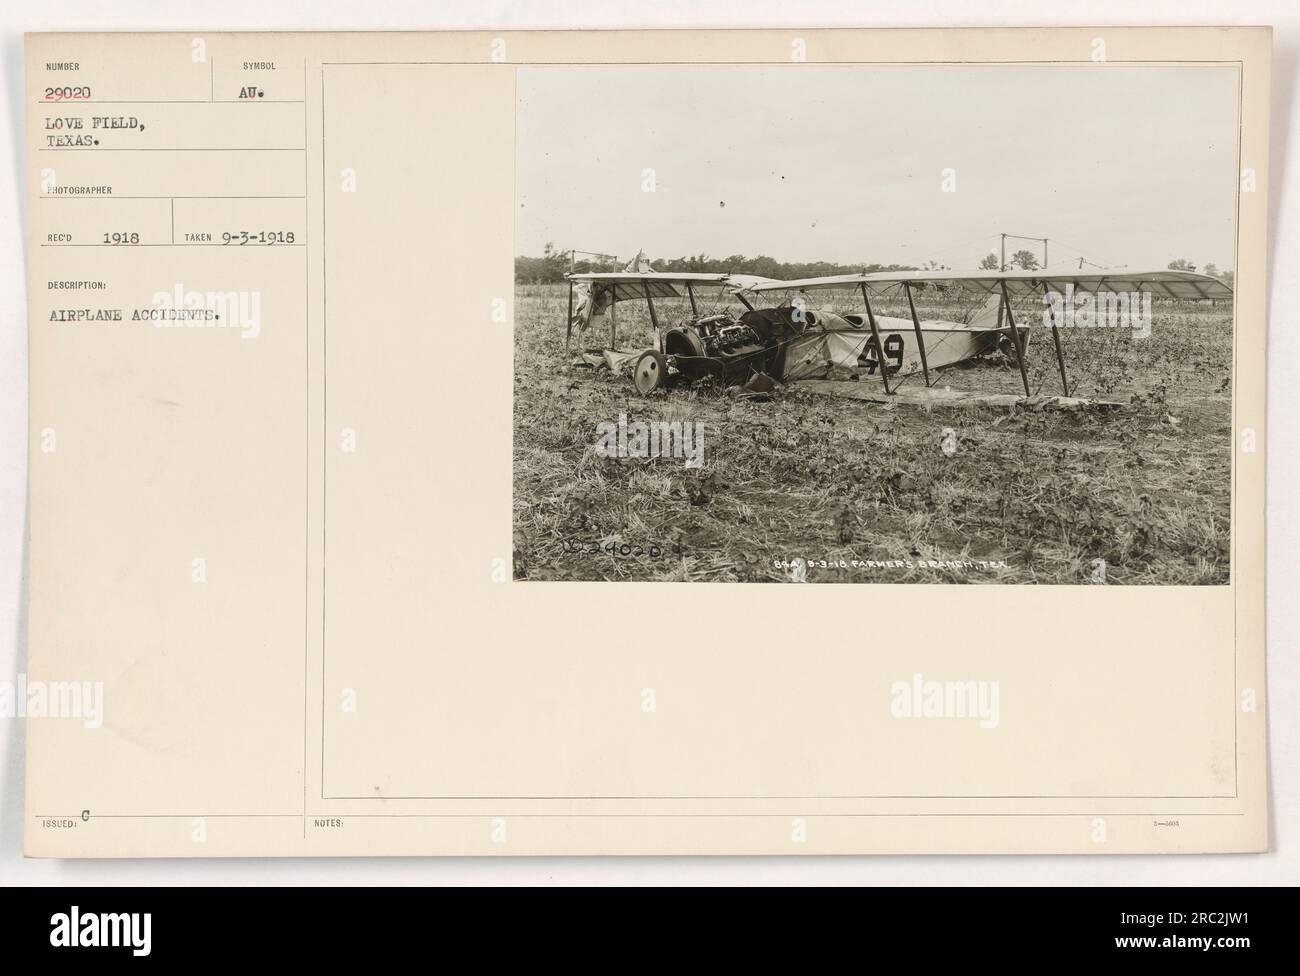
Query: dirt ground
pixel 838 490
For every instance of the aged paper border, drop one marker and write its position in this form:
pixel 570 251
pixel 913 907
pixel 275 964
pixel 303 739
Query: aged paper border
pixel 132 833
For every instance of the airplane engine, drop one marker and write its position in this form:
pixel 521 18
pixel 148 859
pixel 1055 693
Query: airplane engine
pixel 716 346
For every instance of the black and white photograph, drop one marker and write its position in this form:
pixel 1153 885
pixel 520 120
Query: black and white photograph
pixel 942 323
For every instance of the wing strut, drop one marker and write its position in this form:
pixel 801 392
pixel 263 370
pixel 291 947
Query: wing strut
pixel 1056 338
pixel 690 293
pixel 875 337
pixel 568 323
pixel 613 321
pixel 920 339
pixel 654 319
pixel 1016 338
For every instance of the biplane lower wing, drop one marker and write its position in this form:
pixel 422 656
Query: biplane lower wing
pixel 846 341
pixel 790 341
pixel 946 343
pixel 938 344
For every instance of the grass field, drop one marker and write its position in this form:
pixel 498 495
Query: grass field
pixel 863 492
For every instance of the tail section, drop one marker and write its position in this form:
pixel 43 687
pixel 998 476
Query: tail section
pixel 986 316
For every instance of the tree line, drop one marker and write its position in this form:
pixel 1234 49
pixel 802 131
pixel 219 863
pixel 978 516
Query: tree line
pixel 552 266
pixel 1028 261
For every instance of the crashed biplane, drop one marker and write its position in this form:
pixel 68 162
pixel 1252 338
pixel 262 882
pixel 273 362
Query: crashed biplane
pixel 786 339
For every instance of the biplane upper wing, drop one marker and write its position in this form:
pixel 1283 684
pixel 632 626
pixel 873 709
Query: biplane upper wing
pixel 1163 282
pixel 597 292
pixel 624 286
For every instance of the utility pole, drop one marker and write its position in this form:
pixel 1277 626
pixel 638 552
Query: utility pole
pixel 603 258
pixel 1021 237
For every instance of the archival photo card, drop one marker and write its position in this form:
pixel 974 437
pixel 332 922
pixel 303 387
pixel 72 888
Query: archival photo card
pixel 391 395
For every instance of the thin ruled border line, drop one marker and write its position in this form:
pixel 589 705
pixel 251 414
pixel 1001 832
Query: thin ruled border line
pixel 598 816
pixel 1238 63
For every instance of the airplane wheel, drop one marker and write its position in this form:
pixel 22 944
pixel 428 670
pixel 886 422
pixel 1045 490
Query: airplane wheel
pixel 1007 346
pixel 651 372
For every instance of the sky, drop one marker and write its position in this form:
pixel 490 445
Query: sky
pixel 1123 165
